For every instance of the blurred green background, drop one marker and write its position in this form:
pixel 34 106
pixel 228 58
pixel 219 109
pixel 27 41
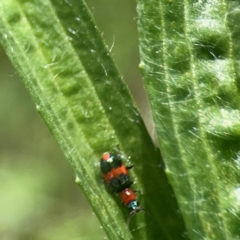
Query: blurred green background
pixel 39 199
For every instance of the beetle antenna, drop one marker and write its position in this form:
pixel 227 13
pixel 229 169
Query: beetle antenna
pixel 133 212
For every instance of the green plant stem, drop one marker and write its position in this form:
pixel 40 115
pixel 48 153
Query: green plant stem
pixel 57 50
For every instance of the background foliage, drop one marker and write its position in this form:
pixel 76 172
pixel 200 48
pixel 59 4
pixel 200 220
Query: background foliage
pixel 190 66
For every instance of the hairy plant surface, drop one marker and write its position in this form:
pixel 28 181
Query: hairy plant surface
pixel 57 50
pixel 190 62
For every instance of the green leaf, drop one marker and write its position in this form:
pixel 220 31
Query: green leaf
pixel 189 58
pixel 57 50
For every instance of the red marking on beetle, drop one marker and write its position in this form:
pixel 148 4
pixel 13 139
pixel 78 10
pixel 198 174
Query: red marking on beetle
pixel 127 195
pixel 106 156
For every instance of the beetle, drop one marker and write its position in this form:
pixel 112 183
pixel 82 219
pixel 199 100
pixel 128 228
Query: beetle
pixel 116 177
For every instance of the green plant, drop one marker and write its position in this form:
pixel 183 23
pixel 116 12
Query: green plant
pixel 191 75
pixel 56 48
